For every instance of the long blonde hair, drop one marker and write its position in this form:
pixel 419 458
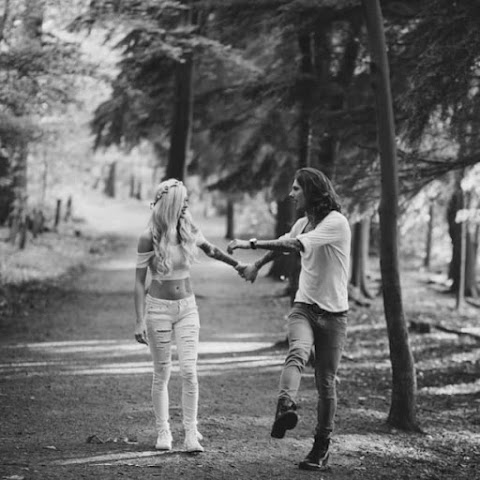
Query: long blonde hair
pixel 170 223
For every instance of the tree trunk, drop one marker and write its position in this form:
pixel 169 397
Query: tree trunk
pixel 182 119
pixel 455 204
pixel 404 386
pixel 109 189
pixel 282 265
pixel 33 20
pixel 6 192
pixel 30 36
pixel 131 192
pixel 4 19
pixel 58 213
pixel 230 234
pixel 328 140
pixel 305 91
pixel 291 264
pixel 138 192
pixel 68 210
pixel 361 241
pixel 428 243
pixel 19 189
pixel 22 242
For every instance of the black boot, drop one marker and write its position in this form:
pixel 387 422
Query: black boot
pixel 317 458
pixel 286 417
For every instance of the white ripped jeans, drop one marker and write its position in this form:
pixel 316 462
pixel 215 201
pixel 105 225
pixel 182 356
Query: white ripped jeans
pixel 167 320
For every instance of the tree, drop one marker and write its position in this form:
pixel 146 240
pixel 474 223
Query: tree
pixel 159 53
pixel 403 405
pixel 182 118
pixel 36 70
pixel 462 269
pixel 30 38
pixel 443 95
pixel 360 247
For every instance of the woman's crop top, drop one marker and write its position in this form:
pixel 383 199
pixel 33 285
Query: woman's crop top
pixel 180 265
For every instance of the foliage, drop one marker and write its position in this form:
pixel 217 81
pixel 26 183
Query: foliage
pixel 249 88
pixel 444 76
pixel 439 101
pixel 36 77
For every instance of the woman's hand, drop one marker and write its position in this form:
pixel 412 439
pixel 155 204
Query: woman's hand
pixel 248 272
pixel 236 243
pixel 141 332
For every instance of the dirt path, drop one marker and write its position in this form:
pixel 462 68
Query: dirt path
pixel 71 370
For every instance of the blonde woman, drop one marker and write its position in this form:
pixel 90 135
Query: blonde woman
pixel 168 248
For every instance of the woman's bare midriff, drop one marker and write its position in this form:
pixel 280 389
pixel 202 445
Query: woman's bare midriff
pixel 171 289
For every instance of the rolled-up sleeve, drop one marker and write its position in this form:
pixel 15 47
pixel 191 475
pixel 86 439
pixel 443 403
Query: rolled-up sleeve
pixel 328 232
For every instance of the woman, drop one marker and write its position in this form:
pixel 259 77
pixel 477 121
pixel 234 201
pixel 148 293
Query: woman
pixel 319 314
pixel 168 248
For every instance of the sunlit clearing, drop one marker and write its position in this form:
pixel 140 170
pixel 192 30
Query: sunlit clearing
pixel 455 358
pixel 237 336
pixel 46 345
pixel 91 346
pixel 94 358
pixel 367 327
pixel 117 264
pixel 110 457
pixel 453 389
pixel 355 444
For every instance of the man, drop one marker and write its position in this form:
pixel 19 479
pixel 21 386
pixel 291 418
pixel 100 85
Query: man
pixel 318 317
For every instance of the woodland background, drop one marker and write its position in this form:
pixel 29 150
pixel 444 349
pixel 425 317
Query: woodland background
pixel 105 98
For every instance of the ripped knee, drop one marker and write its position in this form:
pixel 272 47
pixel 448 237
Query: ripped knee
pixel 163 335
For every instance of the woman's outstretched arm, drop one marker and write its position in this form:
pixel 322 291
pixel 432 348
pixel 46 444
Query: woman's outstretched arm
pixel 218 254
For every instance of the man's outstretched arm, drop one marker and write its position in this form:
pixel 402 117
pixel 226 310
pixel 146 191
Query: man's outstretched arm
pixel 281 245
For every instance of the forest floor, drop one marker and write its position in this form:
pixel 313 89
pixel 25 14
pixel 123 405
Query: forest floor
pixel 75 387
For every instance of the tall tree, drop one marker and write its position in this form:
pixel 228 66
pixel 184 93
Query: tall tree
pixel 404 386
pixel 182 118
pixel 28 37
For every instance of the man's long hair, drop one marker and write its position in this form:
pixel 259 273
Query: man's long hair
pixel 320 196
pixel 171 223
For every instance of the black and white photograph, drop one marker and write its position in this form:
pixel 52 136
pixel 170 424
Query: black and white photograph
pixel 239 239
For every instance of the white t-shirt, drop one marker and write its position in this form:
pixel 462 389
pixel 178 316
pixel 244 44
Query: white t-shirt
pixel 325 262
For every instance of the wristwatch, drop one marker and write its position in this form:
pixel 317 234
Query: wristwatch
pixel 253 243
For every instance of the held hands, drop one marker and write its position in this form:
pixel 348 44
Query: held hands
pixel 141 333
pixel 247 271
pixel 236 243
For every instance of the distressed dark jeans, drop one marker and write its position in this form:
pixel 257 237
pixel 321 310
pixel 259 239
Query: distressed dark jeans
pixel 309 326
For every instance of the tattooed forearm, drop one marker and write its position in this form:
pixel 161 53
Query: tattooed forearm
pixel 281 245
pixel 268 257
pixel 214 252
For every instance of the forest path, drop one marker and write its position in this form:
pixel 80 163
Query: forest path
pixel 72 371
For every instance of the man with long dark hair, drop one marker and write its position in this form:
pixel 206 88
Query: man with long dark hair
pixel 318 318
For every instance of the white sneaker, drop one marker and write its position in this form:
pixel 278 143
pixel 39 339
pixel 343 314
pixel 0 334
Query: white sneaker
pixel 192 445
pixel 164 440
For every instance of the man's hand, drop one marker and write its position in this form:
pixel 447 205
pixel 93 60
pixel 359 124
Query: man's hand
pixel 236 243
pixel 248 272
pixel 141 333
